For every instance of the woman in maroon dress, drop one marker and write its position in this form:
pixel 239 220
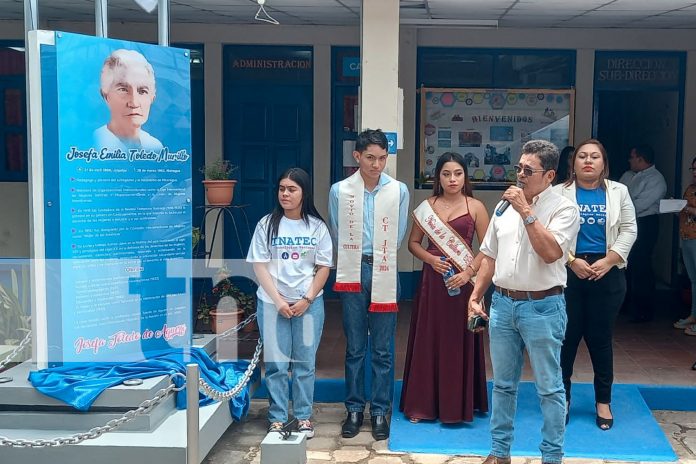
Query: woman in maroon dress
pixel 445 371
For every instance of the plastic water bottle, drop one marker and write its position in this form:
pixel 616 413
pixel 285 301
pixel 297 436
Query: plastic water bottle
pixel 446 276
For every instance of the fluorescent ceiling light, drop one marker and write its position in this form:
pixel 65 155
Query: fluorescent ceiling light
pixel 429 22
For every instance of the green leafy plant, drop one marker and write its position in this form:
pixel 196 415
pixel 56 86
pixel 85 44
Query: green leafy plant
pixel 226 288
pixel 14 321
pixel 196 237
pixel 223 288
pixel 219 170
pixel 203 310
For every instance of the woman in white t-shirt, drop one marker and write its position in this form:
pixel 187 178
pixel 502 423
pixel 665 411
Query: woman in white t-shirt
pixel 292 252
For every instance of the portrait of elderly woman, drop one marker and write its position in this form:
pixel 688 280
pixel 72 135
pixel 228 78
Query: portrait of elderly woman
pixel 128 87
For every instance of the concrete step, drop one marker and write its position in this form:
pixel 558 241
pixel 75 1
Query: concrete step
pixel 156 438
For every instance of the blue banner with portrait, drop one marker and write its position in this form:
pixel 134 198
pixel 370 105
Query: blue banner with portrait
pixel 119 191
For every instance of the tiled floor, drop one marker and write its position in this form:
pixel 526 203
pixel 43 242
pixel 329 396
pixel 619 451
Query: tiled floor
pixel 650 353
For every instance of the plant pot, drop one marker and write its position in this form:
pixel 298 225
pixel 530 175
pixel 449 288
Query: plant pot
pixel 222 321
pixel 219 192
pixel 251 327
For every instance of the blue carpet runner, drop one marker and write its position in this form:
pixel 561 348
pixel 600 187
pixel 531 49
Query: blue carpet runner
pixel 636 436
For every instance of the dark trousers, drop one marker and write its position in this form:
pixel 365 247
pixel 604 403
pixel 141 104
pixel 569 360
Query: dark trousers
pixel 640 297
pixel 358 322
pixel 592 307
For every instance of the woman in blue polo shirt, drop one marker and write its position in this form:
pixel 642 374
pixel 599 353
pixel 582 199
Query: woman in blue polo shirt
pixel 597 284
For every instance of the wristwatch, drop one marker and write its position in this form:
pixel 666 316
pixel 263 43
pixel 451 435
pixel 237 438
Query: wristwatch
pixel 308 299
pixel 529 220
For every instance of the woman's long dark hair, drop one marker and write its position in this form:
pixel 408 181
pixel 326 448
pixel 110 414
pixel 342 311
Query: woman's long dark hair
pixel 301 178
pixel 565 157
pixel 457 158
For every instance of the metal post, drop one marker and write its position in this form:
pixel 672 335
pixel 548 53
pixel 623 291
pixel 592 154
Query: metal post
pixel 163 22
pixel 31 23
pixel 192 414
pixel 31 16
pixel 101 18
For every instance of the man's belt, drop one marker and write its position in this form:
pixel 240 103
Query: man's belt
pixel 367 259
pixel 529 295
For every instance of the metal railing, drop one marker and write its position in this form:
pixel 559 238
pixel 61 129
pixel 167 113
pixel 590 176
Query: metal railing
pixel 18 349
pixel 192 404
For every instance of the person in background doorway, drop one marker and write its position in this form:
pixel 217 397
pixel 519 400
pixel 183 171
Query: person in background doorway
pixel 524 254
pixel 445 369
pixel 647 187
pixel 687 234
pixel 597 284
pixel 292 252
pixel 565 165
pixel 368 214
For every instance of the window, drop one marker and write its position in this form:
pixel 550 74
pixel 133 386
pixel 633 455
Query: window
pixel 13 121
pixel 487 68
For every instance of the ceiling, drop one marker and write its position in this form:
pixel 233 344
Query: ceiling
pixel 662 14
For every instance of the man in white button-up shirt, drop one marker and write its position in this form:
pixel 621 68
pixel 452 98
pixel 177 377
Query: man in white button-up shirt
pixel 525 251
pixel 647 187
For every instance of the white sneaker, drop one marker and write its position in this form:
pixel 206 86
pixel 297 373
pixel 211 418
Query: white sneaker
pixel 275 427
pixel 691 330
pixel 684 323
pixel 306 427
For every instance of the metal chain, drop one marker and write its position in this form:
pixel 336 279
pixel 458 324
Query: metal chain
pixel 23 344
pixel 144 407
pixel 231 331
pixel 218 395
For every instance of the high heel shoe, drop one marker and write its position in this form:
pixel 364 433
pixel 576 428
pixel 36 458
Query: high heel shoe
pixel 603 423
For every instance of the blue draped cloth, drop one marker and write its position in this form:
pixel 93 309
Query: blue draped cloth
pixel 79 384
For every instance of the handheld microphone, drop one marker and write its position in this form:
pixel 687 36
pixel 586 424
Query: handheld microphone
pixel 504 205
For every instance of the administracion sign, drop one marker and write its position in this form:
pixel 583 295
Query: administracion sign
pixel 118 191
pixel 264 63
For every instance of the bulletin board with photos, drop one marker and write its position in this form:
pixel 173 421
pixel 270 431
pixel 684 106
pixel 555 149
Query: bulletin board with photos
pixel 489 126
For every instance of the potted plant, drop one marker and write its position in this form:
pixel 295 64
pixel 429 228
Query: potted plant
pixel 203 311
pixel 219 185
pixel 14 321
pixel 232 306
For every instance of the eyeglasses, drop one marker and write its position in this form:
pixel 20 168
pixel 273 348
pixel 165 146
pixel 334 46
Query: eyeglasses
pixel 528 172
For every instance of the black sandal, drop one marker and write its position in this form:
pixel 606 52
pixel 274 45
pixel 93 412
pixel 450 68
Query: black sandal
pixel 602 423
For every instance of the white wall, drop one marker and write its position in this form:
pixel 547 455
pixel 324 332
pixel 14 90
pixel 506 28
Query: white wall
pixel 585 41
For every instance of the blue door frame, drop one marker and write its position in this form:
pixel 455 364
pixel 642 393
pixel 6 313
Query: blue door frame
pixel 268 128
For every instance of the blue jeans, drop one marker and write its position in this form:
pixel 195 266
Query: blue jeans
pixel 689 255
pixel 357 321
pixel 290 344
pixel 538 325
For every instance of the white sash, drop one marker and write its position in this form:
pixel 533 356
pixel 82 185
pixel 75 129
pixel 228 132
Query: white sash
pixel 384 241
pixel 447 240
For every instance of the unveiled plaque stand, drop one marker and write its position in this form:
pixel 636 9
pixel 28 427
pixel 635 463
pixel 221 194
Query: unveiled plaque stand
pixel 111 241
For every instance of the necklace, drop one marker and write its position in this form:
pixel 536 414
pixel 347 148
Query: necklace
pixel 445 205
